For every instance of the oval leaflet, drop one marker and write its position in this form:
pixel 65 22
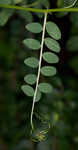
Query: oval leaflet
pixel 28 90
pixel 31 62
pixel 48 71
pixel 32 43
pixel 30 79
pixel 34 27
pixel 50 57
pixel 45 87
pixel 52 44
pixel 53 30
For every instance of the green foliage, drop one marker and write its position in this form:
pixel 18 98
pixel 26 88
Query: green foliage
pixel 30 79
pixel 32 43
pixel 59 99
pixel 45 87
pixel 34 27
pixel 48 71
pixel 50 57
pixel 5 14
pixel 28 90
pixel 52 44
pixel 53 30
pixel 31 62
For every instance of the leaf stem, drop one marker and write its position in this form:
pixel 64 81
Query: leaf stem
pixel 39 10
pixel 38 76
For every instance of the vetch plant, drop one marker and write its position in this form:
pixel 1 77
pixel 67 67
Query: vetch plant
pixel 50 42
pixel 50 57
pixel 51 35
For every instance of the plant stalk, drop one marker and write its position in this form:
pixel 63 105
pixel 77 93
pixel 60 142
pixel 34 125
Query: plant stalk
pixel 39 10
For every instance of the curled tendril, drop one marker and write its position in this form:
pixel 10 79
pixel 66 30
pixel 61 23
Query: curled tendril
pixel 40 134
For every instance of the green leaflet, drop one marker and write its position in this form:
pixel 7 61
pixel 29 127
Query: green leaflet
pixel 48 71
pixel 34 27
pixel 53 30
pixel 31 62
pixel 5 14
pixel 32 43
pixel 28 90
pixel 52 44
pixel 30 79
pixel 50 57
pixel 45 87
